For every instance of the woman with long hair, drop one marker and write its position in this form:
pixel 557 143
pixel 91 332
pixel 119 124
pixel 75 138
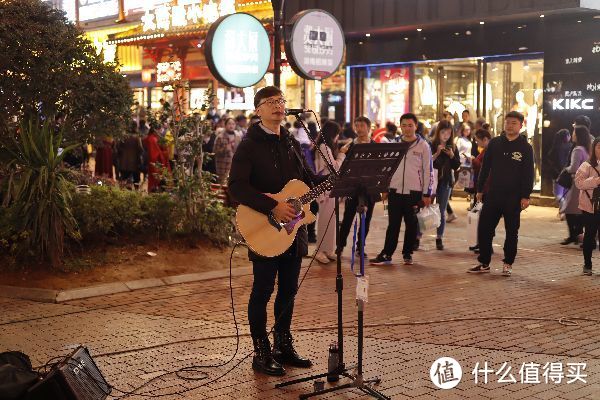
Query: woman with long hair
pixel 570 206
pixel 446 161
pixel 587 179
pixel 325 222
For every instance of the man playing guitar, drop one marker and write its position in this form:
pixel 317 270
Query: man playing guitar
pixel 265 161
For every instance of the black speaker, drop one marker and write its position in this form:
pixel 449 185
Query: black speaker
pixel 77 377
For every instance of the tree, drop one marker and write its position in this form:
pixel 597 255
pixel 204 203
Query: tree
pixel 47 66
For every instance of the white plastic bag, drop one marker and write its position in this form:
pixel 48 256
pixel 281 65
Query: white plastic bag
pixel 473 223
pixel 465 178
pixel 429 218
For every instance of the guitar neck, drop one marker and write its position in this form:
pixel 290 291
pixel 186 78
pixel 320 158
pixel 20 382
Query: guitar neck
pixel 315 192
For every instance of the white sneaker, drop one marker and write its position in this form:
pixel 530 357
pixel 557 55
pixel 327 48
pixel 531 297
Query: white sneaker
pixel 450 218
pixel 331 256
pixel 322 258
pixel 507 269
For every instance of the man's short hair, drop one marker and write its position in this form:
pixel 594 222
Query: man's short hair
pixel 362 118
pixel 409 116
pixel 515 114
pixel 265 93
pixel 583 120
pixel 466 110
pixel 240 117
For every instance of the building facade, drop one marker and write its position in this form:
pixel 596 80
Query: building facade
pixel 538 57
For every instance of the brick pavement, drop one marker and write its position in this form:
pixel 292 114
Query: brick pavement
pixel 415 315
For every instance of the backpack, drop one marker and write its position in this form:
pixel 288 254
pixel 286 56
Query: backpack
pixel 16 375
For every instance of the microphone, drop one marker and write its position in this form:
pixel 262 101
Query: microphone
pixel 295 111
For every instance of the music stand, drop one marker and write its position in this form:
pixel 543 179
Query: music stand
pixel 367 170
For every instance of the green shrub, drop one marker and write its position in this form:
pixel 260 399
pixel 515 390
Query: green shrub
pixel 161 214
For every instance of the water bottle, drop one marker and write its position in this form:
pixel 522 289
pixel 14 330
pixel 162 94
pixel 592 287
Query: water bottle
pixel 332 363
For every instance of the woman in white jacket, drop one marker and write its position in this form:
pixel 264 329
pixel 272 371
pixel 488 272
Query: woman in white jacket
pixel 587 178
pixel 325 222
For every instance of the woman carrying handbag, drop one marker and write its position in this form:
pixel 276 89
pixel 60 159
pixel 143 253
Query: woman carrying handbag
pixel 587 179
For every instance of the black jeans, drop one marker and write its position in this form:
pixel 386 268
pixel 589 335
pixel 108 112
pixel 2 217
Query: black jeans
pixel 125 175
pixel 496 206
pixel 288 269
pixel 575 224
pixel 349 214
pixel 591 222
pixel 401 206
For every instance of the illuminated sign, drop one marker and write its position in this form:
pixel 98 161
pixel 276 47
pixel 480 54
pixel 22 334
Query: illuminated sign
pixel 94 9
pixel 168 71
pixel 316 44
pixel 238 50
pixel 191 12
pixel 573 104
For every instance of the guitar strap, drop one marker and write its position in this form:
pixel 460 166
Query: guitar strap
pixel 301 163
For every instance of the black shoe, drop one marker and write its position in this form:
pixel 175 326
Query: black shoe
pixel 381 259
pixel 438 244
pixel 408 259
pixel 474 248
pixel 417 244
pixel 568 240
pixel 284 352
pixel 263 361
pixel 481 268
pixel 587 271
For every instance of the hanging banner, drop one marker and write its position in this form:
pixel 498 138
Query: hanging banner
pixel 238 50
pixel 315 44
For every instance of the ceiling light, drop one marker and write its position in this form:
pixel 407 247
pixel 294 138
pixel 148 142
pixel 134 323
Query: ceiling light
pixel 419 29
pixel 481 22
pixel 456 33
pixel 542 16
pixel 360 42
pixel 522 48
pixel 579 21
pixel 468 33
pixel 597 16
pixel 367 34
pixel 405 38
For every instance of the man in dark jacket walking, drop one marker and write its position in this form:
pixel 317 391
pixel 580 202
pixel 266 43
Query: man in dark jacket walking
pixel 265 161
pixel 508 162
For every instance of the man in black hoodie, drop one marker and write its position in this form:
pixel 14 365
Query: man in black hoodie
pixel 508 162
pixel 264 162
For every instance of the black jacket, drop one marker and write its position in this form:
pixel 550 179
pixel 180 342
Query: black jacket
pixel 265 163
pixel 446 165
pixel 510 166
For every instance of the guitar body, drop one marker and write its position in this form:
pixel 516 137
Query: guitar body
pixel 260 232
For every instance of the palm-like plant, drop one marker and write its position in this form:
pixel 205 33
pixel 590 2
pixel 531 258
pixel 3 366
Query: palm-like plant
pixel 38 191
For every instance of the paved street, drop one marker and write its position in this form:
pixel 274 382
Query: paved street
pixel 545 313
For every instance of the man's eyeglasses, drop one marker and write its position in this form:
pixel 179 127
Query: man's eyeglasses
pixel 273 102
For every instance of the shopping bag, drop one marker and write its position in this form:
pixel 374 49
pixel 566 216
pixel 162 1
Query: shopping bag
pixel 429 218
pixel 473 223
pixel 465 178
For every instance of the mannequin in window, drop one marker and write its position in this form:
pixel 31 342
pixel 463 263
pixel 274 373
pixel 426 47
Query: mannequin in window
pixel 533 114
pixel 498 117
pixel 522 107
pixel 426 90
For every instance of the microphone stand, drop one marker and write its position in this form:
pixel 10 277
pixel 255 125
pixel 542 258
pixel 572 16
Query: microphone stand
pixel 340 370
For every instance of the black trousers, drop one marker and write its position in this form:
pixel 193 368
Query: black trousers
pixel 288 270
pixel 401 206
pixel 591 223
pixel 575 224
pixel 496 206
pixel 350 207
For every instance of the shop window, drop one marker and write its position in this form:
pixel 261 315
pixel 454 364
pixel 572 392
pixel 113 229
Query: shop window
pixel 386 92
pixel 516 85
pixel 159 93
pixel 425 100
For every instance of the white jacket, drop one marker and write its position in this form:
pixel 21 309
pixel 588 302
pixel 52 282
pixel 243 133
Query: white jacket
pixel 415 172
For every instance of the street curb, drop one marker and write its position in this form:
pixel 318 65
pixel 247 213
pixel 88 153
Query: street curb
pixel 60 296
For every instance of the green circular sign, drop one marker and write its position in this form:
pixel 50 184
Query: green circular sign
pixel 238 50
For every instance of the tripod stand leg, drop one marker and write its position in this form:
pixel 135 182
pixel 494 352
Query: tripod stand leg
pixel 300 380
pixel 374 393
pixel 320 392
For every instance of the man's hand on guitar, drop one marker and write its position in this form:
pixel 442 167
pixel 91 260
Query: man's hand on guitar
pixel 284 212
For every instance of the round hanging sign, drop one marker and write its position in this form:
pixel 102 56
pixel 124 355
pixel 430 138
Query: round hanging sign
pixel 238 50
pixel 315 45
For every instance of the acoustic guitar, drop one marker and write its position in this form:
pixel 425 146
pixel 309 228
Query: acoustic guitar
pixel 268 237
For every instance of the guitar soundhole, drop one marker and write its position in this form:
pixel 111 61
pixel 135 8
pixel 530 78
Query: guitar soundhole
pixel 297 205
